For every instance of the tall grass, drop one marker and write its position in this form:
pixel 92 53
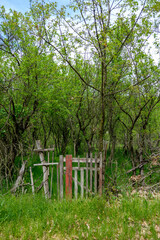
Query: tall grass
pixel 34 217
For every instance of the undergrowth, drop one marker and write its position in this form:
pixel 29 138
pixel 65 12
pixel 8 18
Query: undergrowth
pixel 34 217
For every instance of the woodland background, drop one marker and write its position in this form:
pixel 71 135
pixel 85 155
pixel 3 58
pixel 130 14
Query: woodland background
pixel 84 78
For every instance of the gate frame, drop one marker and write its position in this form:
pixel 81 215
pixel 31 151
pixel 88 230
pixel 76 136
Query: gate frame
pixel 69 168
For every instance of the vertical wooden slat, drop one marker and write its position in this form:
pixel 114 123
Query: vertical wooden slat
pixel 75 184
pixel 104 161
pixel 51 186
pixel 95 175
pixel 100 175
pixel 78 162
pixel 48 162
pixel 91 172
pixel 32 183
pixel 61 176
pixel 69 177
pixel 45 170
pixel 82 183
pixel 87 175
pixel 58 181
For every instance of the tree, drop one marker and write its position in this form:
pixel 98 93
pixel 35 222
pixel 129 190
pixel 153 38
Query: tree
pixel 93 28
pixel 22 78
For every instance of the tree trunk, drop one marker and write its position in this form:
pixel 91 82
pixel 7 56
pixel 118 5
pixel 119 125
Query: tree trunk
pixel 102 122
pixel 111 130
pixel 131 149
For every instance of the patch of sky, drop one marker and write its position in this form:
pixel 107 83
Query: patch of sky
pixel 24 5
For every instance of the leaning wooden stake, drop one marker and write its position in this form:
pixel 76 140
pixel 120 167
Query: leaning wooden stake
pixel 32 183
pixel 45 170
pixel 20 177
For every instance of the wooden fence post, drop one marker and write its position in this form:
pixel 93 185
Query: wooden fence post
pixel 51 175
pixel 61 176
pixel 32 183
pixel 91 171
pixel 69 177
pixel 82 183
pixel 75 184
pixel 95 175
pixel 45 170
pixel 57 181
pixel 100 174
pixel 87 175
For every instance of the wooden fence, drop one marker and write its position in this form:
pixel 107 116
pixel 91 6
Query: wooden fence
pixel 87 175
pixel 82 176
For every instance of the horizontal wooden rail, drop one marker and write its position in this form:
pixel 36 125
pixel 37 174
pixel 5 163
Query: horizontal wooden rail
pixel 83 168
pixel 82 160
pixel 45 164
pixel 43 150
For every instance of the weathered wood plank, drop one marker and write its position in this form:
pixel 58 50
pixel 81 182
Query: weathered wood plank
pixel 95 175
pixel 100 175
pixel 75 184
pixel 91 170
pixel 78 162
pixel 84 168
pixel 69 177
pixel 20 177
pixel 82 183
pixel 45 164
pixel 43 150
pixel 61 176
pixel 48 162
pixel 58 181
pixel 45 170
pixel 32 183
pixel 87 175
pixel 51 186
pixel 83 160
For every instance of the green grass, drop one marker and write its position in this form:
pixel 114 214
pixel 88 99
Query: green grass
pixel 34 217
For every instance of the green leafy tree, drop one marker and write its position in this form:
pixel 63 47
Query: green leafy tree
pixel 106 33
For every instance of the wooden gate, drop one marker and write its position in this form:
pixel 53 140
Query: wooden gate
pixel 87 177
pixel 82 176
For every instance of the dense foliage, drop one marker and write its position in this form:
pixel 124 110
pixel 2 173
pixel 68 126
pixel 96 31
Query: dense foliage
pixel 80 77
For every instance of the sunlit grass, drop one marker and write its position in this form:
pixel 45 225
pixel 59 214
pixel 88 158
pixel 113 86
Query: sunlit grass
pixel 34 217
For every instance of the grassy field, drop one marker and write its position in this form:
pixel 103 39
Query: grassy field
pixel 34 217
